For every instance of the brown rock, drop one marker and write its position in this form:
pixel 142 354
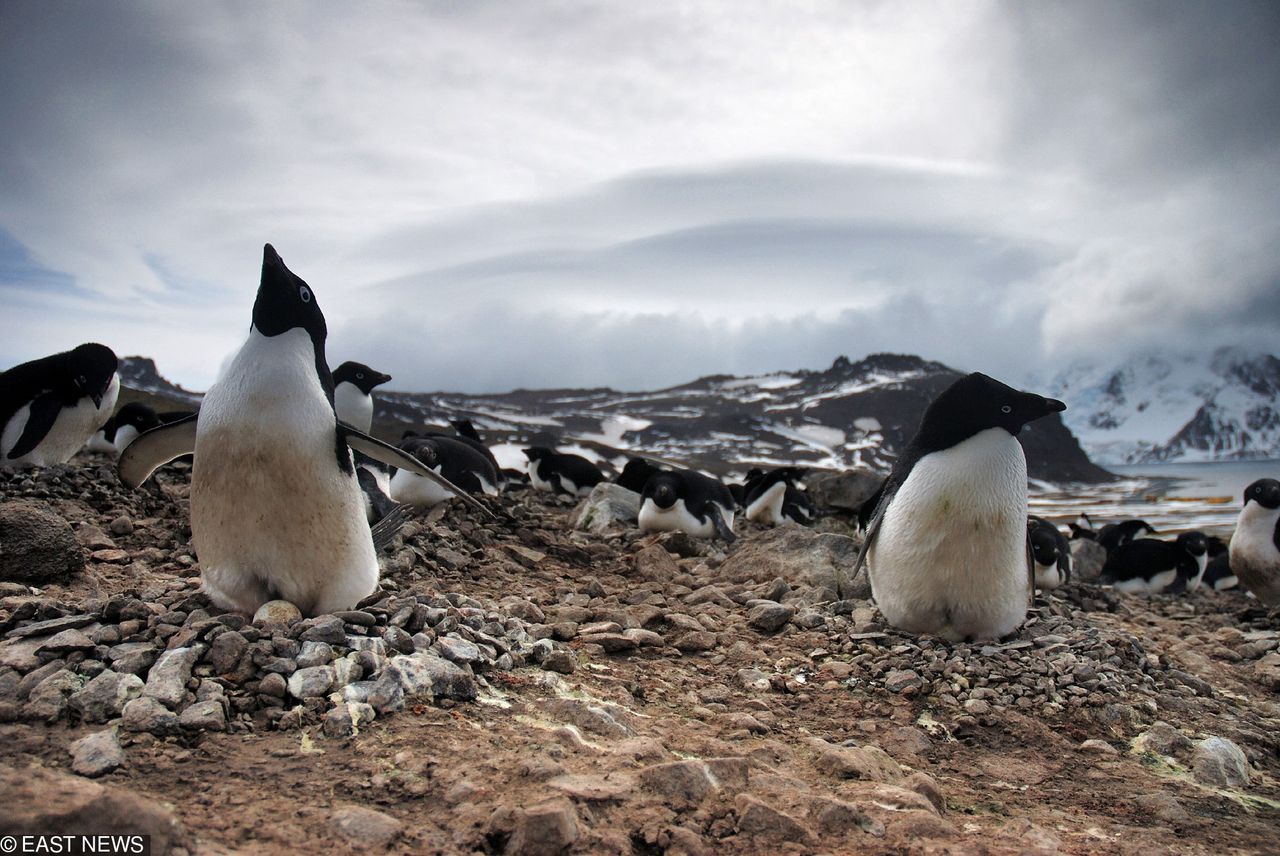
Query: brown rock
pixel 548 829
pixel 870 763
pixel 37 546
pixel 836 817
pixel 758 819
pixel 38 801
pixel 365 826
pixel 594 788
pixel 799 556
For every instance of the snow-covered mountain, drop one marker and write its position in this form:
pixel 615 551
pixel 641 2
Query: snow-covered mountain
pixel 1175 407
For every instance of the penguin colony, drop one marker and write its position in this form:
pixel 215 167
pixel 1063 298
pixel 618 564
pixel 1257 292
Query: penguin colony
pixel 290 494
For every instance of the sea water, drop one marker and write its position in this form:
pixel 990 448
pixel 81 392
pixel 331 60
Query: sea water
pixel 1173 497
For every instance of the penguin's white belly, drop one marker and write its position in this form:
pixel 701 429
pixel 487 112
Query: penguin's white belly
pixel 353 406
pixel 767 507
pixel 537 480
pixel 125 435
pixel 70 430
pixel 1202 562
pixel 950 557
pixel 99 443
pixel 417 490
pixel 1156 584
pixel 272 514
pixel 1254 557
pixel 1048 576
pixel 677 518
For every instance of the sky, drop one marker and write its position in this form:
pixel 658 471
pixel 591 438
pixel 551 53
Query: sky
pixel 486 196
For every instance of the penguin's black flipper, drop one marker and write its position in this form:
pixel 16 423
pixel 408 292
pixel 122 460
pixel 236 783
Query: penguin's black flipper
pixel 872 511
pixel 386 529
pixel 359 441
pixel 722 528
pixel 44 411
pixel 152 449
pixel 1031 568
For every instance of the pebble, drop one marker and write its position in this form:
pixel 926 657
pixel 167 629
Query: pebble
pixel 204 716
pixel 563 662
pixel 768 616
pixel 365 827
pixel 313 682
pixel 167 680
pixel 96 754
pixel 104 697
pixel 277 612
pixel 149 715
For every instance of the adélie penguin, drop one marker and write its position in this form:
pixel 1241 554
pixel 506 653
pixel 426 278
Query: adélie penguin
pixel 687 501
pixel 50 407
pixel 1255 546
pixel 121 429
pixel 773 498
pixel 1051 553
pixel 459 462
pixel 353 385
pixel 946 545
pixel 561 472
pixel 276 508
pixel 1150 566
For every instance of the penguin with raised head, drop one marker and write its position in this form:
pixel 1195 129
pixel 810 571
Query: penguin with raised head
pixel 561 473
pixel 1114 535
pixel 130 420
pixel 276 506
pixel 459 462
pixel 353 385
pixel 946 545
pixel 774 498
pixel 1151 566
pixel 50 407
pixel 1051 552
pixel 1255 546
pixel 635 474
pixel 687 501
pixel 1082 528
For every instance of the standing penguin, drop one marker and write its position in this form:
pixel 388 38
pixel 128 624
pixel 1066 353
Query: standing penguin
pixel 51 406
pixel 276 508
pixel 689 502
pixel 1255 546
pixel 946 543
pixel 353 385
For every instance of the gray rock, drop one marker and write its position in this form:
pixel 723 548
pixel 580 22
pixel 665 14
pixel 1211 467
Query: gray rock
pixel 1221 763
pixel 66 642
pixel 328 629
pixel 904 681
pixel 149 715
pixel 204 716
pixel 280 612
pixel 313 682
pixel 802 557
pixel 420 674
pixel 399 640
pixel 134 658
pixel 20 654
pixel 51 697
pixel 365 827
pixel 563 662
pixel 52 626
pixel 1163 739
pixel 769 616
pixel 273 685
pixel 104 697
pixel 96 754
pixel 225 652
pixel 606 505
pixel 1087 559
pixel 314 654
pixel 167 680
pixel 37 546
pixel 345 719
pixel 458 650
pixel 845 490
pixel 345 671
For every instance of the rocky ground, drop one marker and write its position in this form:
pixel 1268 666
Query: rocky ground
pixel 520 687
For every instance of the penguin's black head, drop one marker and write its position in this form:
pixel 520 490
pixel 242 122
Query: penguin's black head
pixel 285 302
pixel 423 449
pixel 538 453
pixel 138 415
pixel 1265 492
pixel 664 489
pixel 1215 545
pixel 359 374
pixel 92 366
pixel 976 403
pixel 465 429
pixel 1044 541
pixel 636 474
pixel 1193 542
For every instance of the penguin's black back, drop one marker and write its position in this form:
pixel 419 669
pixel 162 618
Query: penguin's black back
pixel 575 468
pixel 459 462
pixel 1113 535
pixel 1144 558
pixel 22 383
pixel 1219 568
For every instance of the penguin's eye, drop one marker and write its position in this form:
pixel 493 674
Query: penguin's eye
pixel 1006 409
pixel 359 375
pixel 82 380
pixel 305 294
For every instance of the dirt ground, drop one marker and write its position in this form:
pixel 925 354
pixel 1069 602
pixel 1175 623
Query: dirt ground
pixel 676 746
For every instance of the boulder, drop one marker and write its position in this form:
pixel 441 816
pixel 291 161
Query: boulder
pixel 822 561
pixel 1087 558
pixel 606 505
pixel 843 491
pixel 37 546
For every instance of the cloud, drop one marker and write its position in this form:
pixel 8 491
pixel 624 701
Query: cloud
pixel 993 183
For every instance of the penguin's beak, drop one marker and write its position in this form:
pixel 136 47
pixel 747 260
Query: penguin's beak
pixel 1054 405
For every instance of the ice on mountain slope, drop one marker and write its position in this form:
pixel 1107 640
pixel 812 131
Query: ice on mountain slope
pixel 1175 407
